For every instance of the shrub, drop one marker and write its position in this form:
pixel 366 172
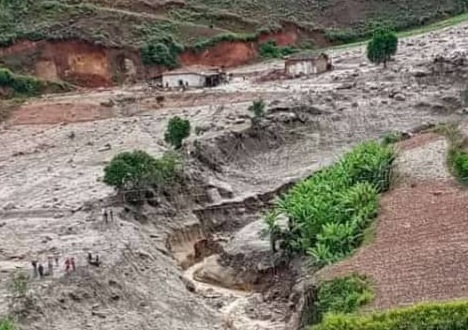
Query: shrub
pixel 28 86
pixel 270 49
pixel 329 212
pixel 19 285
pixel 432 316
pixel 343 295
pixel 161 49
pixel 139 170
pixel 459 162
pixel 7 324
pixel 258 110
pixel 392 138
pixel 177 130
pixel 383 45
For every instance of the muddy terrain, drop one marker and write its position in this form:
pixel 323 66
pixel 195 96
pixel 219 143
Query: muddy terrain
pixel 182 264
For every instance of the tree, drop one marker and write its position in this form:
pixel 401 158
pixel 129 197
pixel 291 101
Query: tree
pixel 177 130
pixel 258 110
pixel 383 45
pixel 129 170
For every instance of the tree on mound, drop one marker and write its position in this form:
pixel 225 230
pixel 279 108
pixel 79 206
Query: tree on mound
pixel 177 130
pixel 139 172
pixel 383 45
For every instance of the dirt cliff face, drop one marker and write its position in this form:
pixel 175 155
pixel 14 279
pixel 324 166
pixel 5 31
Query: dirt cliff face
pixel 90 65
pixel 78 62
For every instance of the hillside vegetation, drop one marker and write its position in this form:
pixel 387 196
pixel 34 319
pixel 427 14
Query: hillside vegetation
pixel 135 23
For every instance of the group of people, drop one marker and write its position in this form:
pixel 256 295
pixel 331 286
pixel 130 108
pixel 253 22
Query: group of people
pixel 70 266
pixel 107 215
pixel 40 271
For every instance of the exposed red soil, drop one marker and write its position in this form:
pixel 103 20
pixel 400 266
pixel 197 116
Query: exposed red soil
pixel 418 141
pixel 78 62
pixel 420 252
pixel 227 54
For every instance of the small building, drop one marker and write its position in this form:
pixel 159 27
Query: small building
pixel 307 65
pixel 193 76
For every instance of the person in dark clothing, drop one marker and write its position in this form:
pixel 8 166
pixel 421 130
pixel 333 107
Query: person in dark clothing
pixel 40 269
pixel 90 257
pixel 72 262
pixel 106 216
pixel 111 213
pixel 34 265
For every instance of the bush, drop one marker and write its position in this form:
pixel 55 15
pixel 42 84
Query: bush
pixel 163 50
pixel 270 49
pixel 432 316
pixel 392 138
pixel 177 130
pixel 343 295
pixel 28 86
pixel 258 110
pixel 7 324
pixel 19 284
pixel 383 45
pixel 329 212
pixel 139 170
pixel 459 162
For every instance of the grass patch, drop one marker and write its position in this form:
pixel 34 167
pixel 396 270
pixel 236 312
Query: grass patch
pixel 352 38
pixel 342 295
pixel 25 86
pixel 201 45
pixel 329 213
pixel 457 156
pixel 432 316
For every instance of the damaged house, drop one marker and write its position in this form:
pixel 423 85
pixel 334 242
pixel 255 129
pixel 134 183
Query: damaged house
pixel 193 76
pixel 307 65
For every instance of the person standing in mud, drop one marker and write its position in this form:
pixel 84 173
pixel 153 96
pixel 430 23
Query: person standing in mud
pixel 67 266
pixel 34 265
pixel 50 265
pixel 105 215
pixel 72 263
pixel 111 213
pixel 40 270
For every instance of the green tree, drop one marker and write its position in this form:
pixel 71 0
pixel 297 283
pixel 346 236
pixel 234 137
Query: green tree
pixel 383 45
pixel 258 110
pixel 177 130
pixel 130 170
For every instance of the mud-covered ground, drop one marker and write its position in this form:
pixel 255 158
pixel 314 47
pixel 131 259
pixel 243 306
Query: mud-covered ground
pixel 53 151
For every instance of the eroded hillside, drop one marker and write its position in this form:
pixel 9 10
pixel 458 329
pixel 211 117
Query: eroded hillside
pixel 102 43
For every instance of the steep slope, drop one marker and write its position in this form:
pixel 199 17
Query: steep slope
pixel 194 31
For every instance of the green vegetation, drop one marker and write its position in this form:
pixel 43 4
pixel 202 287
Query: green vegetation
pixel 7 324
pixel 392 138
pixel 177 130
pixel 342 295
pixel 329 213
pixel 201 45
pixel 431 316
pixel 18 85
pixel 19 284
pixel 138 170
pixel 160 47
pixel 270 49
pixel 457 156
pixel 382 47
pixel 258 110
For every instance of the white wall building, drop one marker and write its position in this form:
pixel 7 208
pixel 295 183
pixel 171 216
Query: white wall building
pixel 191 77
pixel 304 66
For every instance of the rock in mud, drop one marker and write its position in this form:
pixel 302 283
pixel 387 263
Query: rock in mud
pixel 400 97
